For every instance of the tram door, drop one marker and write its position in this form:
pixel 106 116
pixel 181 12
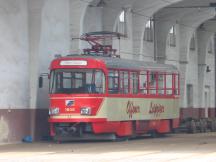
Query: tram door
pixel 207 100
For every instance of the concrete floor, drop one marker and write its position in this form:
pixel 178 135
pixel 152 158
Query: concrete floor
pixel 172 148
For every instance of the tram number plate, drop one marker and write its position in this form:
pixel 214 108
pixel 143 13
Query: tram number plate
pixel 69 109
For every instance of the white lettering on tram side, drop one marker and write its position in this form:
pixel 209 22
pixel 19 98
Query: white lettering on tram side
pixel 156 109
pixel 132 109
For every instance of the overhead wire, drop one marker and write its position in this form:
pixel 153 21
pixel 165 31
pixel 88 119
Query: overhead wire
pixel 173 21
pixel 150 17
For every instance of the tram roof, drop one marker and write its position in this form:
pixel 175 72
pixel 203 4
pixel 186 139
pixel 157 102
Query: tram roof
pixel 119 63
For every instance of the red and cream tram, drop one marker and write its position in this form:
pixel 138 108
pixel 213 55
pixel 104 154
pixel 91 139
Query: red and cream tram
pixel 106 97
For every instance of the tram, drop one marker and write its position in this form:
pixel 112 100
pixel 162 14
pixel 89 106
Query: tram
pixel 97 97
pixel 103 95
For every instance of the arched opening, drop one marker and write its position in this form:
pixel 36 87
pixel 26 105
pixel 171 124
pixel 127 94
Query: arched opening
pixel 121 25
pixel 149 31
pixel 172 37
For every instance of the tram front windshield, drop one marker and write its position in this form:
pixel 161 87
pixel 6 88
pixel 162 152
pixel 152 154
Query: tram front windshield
pixel 77 81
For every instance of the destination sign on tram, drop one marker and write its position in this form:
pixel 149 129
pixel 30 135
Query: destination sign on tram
pixel 74 62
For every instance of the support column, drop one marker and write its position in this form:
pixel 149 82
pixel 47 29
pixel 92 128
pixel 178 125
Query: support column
pixel 184 45
pixel 77 18
pixel 35 14
pixel 215 70
pixel 203 38
pixel 161 28
pixel 138 33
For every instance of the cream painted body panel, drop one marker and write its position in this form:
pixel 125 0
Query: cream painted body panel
pixel 120 109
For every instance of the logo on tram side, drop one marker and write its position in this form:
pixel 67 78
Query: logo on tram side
pixel 132 109
pixel 156 109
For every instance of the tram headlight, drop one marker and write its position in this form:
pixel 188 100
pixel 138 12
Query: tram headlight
pixel 54 111
pixel 85 111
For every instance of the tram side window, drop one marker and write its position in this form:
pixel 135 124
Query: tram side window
pixel 124 82
pixel 95 82
pixel 169 84
pixel 78 80
pixel 113 79
pixel 143 82
pixel 99 82
pixel 160 83
pixel 176 84
pixel 134 82
pixel 59 83
pixel 152 82
pixel 67 80
pixel 64 80
pixel 89 78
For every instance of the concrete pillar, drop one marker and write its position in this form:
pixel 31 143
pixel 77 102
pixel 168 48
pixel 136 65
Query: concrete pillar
pixel 183 71
pixel 138 35
pixel 162 29
pixel 35 15
pixel 77 24
pixel 203 38
pixel 215 72
pixel 184 45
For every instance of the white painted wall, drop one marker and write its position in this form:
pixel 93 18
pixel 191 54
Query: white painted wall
pixel 14 58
